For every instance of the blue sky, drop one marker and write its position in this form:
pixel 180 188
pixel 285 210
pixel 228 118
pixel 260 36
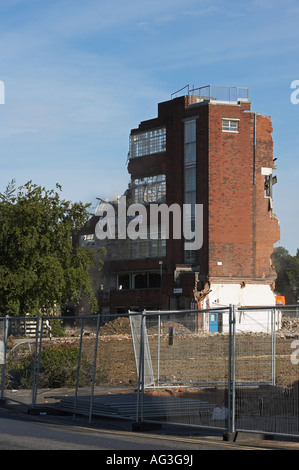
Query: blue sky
pixel 79 75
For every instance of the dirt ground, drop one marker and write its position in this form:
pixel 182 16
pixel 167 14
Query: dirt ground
pixel 195 357
pixel 192 359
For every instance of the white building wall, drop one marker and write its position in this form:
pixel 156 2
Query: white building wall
pixel 251 295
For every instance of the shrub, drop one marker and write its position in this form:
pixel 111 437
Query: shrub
pixel 57 368
pixel 57 328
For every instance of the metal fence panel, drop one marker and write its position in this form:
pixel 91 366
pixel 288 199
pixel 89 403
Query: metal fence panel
pixel 20 367
pixel 191 369
pixel 173 367
pixel 267 375
pixel 71 364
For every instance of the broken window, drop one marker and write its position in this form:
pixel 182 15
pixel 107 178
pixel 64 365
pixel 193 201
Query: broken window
pixel 154 280
pixel 87 240
pixel 147 143
pixel 268 186
pixel 149 189
pixel 269 182
pixel 147 280
pixel 124 281
pixel 143 280
pixel 140 281
pixel 136 249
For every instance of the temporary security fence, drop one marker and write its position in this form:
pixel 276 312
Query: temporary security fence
pixel 231 368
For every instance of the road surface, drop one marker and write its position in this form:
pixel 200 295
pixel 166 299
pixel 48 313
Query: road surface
pixel 20 431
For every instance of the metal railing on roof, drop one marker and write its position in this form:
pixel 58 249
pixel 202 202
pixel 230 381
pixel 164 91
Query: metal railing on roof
pixel 215 92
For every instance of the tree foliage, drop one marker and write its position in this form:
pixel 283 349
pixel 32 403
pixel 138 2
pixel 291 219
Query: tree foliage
pixel 287 269
pixel 40 268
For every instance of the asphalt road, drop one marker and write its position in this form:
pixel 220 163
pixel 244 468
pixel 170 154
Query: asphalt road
pixel 20 431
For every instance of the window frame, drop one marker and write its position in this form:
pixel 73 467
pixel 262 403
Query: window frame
pixel 142 280
pixel 229 128
pixel 148 142
pixel 148 189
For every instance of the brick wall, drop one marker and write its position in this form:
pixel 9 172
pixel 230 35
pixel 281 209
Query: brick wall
pixel 267 231
pixel 241 228
pixel 230 194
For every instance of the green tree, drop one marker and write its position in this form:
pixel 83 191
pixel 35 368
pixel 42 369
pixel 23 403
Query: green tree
pixel 40 267
pixel 287 269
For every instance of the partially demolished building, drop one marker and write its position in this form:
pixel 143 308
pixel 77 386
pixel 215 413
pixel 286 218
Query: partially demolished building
pixel 207 148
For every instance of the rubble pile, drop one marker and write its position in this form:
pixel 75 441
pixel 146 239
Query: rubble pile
pixel 290 324
pixel 119 326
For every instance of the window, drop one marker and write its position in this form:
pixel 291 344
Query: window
pixel 147 280
pixel 149 189
pixel 140 281
pixel 190 142
pixel 136 249
pixel 147 143
pixel 144 280
pixel 190 177
pixel 154 280
pixel 230 125
pixel 87 240
pixel 190 256
pixel 124 281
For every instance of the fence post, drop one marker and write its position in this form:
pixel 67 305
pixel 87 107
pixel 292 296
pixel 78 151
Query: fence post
pixel 38 347
pixel 159 346
pixel 140 388
pixel 78 367
pixel 273 351
pixel 94 367
pixel 231 370
pixel 4 356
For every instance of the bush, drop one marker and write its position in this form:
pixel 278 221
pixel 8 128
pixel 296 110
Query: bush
pixel 57 328
pixel 57 368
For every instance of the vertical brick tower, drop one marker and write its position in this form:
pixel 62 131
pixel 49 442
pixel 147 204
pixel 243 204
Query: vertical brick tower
pixel 205 147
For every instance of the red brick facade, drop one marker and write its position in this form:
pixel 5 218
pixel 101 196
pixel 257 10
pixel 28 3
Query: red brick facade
pixel 239 227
